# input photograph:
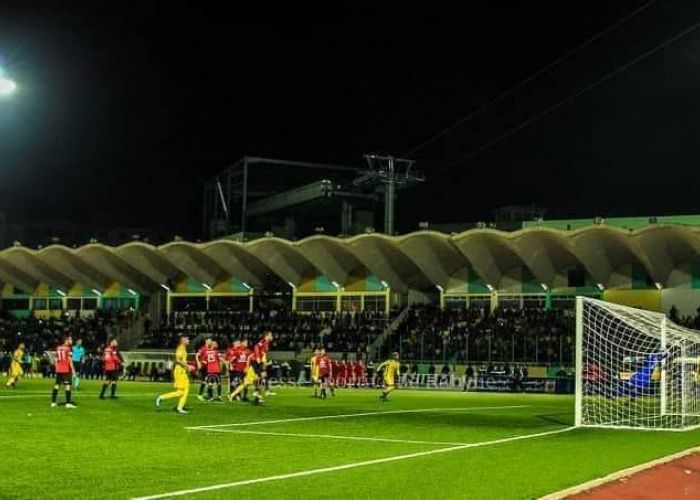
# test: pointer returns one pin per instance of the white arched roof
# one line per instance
(417, 260)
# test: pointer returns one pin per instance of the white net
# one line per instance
(635, 368)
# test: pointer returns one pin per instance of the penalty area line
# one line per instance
(365, 414)
(353, 465)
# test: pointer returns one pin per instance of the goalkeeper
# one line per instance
(641, 381)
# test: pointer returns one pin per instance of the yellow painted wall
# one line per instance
(642, 299)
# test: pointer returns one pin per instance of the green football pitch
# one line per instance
(418, 445)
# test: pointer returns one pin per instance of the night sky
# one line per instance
(125, 109)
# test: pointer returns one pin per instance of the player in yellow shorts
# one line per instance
(314, 371)
(250, 378)
(16, 366)
(181, 378)
(391, 370)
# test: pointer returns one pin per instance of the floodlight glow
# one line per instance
(384, 284)
(335, 284)
(208, 287)
(292, 285)
(489, 287)
(440, 288)
(658, 285)
(600, 287)
(7, 86)
(247, 286)
(165, 287)
(132, 292)
(96, 292)
(544, 286)
(61, 293)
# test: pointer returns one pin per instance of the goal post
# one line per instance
(635, 369)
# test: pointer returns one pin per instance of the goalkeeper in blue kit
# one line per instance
(641, 382)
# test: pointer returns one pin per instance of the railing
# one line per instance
(375, 349)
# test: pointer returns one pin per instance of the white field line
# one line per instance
(332, 436)
(630, 471)
(353, 465)
(351, 415)
(78, 395)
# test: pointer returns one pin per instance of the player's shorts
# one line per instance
(323, 378)
(236, 377)
(111, 375)
(250, 376)
(203, 374)
(64, 379)
(213, 378)
(181, 380)
(389, 382)
(78, 366)
(258, 367)
(16, 370)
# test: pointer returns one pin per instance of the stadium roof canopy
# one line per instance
(417, 260)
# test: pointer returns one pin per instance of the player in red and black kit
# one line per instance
(113, 367)
(350, 378)
(360, 377)
(237, 357)
(343, 375)
(201, 368)
(212, 363)
(63, 365)
(258, 361)
(325, 372)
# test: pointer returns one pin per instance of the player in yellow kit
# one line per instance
(249, 379)
(391, 370)
(16, 366)
(314, 371)
(181, 378)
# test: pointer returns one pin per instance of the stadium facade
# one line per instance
(651, 262)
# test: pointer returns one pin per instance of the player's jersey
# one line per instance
(18, 355)
(359, 369)
(239, 361)
(62, 360)
(642, 378)
(313, 363)
(212, 361)
(391, 368)
(200, 354)
(260, 350)
(111, 359)
(324, 365)
(181, 356)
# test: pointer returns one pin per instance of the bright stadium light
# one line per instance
(440, 288)
(600, 287)
(335, 284)
(659, 286)
(292, 285)
(490, 287)
(544, 286)
(7, 86)
(97, 292)
(247, 286)
(61, 292)
(384, 284)
(132, 292)
(207, 286)
(165, 287)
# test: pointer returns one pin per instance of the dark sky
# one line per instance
(127, 107)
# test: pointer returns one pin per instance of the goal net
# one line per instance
(635, 369)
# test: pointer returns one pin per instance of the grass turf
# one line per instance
(126, 448)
